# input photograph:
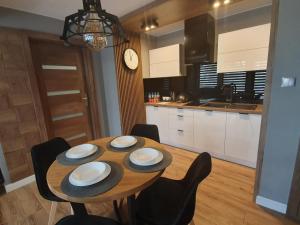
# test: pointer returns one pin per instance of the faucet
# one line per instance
(228, 90)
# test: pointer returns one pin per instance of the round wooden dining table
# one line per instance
(130, 184)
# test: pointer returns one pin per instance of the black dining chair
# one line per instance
(141, 130)
(86, 220)
(172, 202)
(146, 130)
(43, 155)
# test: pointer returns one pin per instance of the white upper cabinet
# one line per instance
(165, 62)
(244, 50)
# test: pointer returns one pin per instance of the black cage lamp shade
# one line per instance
(94, 25)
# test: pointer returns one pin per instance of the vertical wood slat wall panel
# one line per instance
(130, 86)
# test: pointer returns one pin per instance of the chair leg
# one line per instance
(131, 210)
(192, 222)
(71, 210)
(52, 213)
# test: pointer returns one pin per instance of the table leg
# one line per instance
(131, 210)
(79, 209)
(117, 211)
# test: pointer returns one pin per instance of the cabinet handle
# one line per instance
(179, 108)
(155, 106)
(244, 113)
(207, 110)
(180, 131)
(181, 116)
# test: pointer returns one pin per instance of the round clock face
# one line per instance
(131, 59)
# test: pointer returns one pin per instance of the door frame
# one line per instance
(89, 76)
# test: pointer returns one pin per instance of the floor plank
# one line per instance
(224, 198)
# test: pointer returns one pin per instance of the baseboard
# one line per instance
(19, 184)
(271, 204)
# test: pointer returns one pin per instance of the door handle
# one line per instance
(85, 99)
(181, 116)
(180, 131)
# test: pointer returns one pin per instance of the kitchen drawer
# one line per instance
(181, 122)
(182, 112)
(181, 138)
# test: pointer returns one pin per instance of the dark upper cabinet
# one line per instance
(199, 39)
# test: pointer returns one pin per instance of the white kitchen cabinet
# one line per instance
(181, 138)
(181, 127)
(244, 50)
(209, 134)
(159, 116)
(165, 62)
(226, 135)
(248, 60)
(242, 138)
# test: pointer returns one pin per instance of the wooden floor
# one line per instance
(225, 198)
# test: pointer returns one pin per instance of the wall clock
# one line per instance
(131, 59)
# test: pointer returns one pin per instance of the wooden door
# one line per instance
(61, 79)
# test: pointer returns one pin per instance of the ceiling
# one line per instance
(59, 9)
(233, 9)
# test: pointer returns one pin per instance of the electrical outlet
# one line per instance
(288, 82)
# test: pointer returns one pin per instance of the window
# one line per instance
(237, 78)
(208, 76)
(260, 82)
(245, 81)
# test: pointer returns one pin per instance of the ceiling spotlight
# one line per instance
(226, 2)
(149, 24)
(217, 4)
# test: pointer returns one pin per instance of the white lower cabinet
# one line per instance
(209, 133)
(242, 138)
(159, 116)
(181, 127)
(181, 138)
(226, 135)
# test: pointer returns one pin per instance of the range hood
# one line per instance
(199, 39)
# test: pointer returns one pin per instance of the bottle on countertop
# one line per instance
(149, 96)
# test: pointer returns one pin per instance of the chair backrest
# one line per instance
(146, 130)
(198, 171)
(43, 155)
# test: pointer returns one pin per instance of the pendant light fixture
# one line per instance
(94, 25)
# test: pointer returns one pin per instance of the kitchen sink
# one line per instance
(225, 105)
(242, 106)
(216, 105)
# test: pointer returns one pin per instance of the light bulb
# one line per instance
(226, 2)
(152, 26)
(147, 28)
(93, 33)
(217, 4)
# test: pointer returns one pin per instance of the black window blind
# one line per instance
(237, 78)
(208, 76)
(260, 82)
